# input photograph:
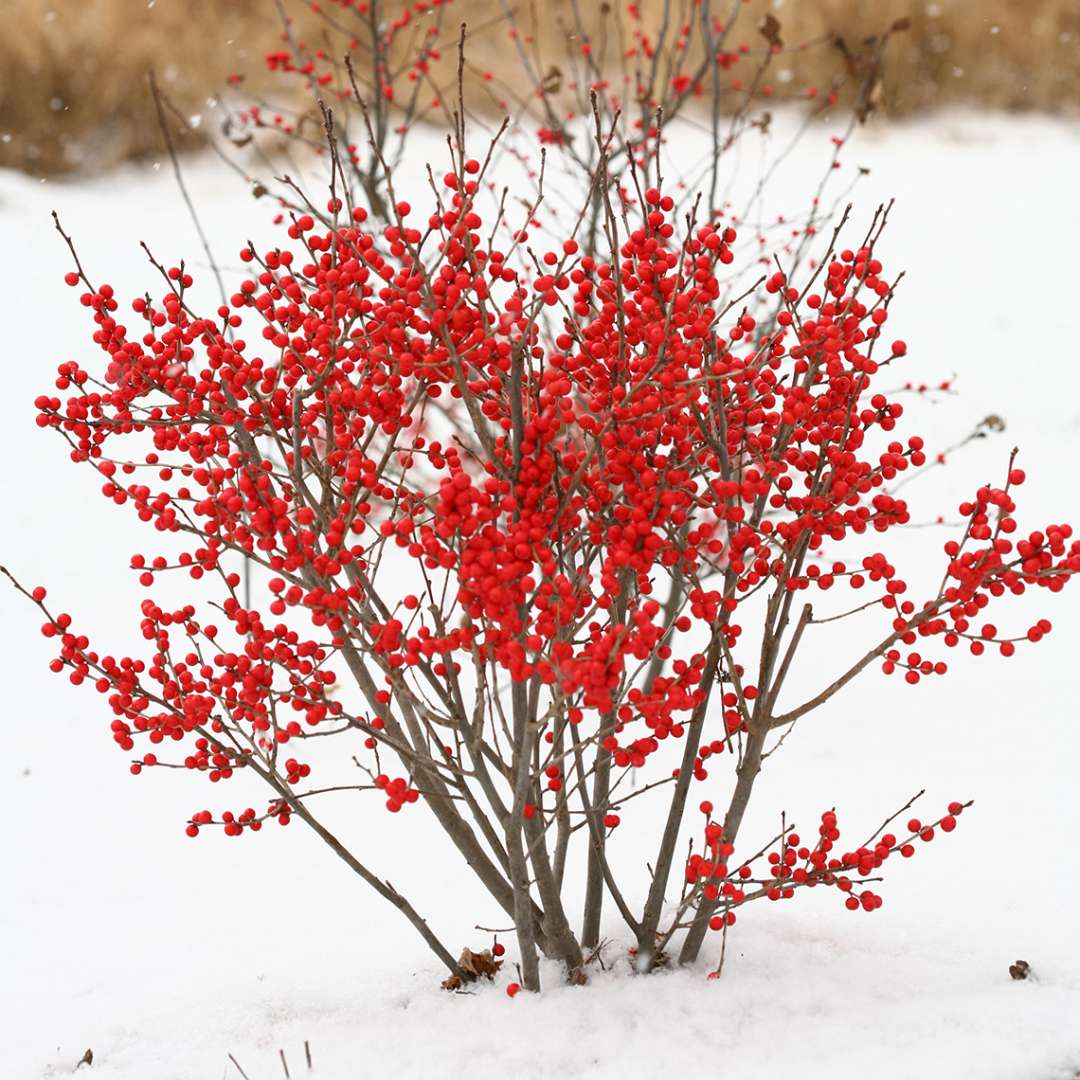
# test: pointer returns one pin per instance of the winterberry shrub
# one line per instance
(540, 513)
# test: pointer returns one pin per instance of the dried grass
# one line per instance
(73, 89)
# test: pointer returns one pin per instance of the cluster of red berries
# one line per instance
(398, 791)
(624, 403)
(793, 864)
(231, 824)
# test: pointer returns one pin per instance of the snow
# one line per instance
(165, 955)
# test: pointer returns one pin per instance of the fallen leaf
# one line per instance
(473, 965)
(477, 964)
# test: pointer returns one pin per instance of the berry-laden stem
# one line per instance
(650, 920)
(746, 774)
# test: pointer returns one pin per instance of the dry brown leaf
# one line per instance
(473, 965)
(769, 28)
(477, 964)
(552, 82)
(872, 96)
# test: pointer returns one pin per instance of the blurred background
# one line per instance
(74, 97)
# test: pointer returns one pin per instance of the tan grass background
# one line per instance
(73, 93)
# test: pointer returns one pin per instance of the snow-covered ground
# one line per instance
(165, 955)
